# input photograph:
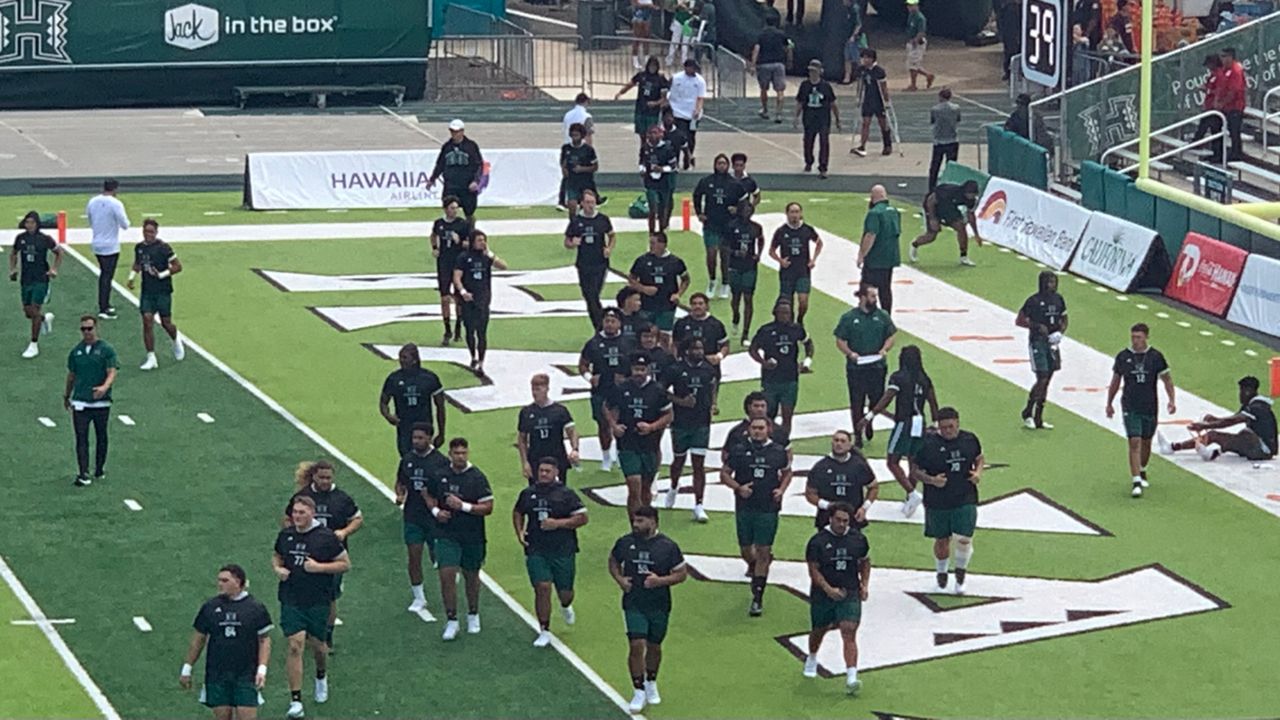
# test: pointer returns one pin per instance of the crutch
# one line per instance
(893, 127)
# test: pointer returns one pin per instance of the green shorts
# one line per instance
(415, 534)
(942, 523)
(651, 625)
(1045, 358)
(159, 303)
(1139, 426)
(756, 527)
(638, 463)
(742, 280)
(597, 409)
(455, 554)
(314, 619)
(694, 439)
(35, 293)
(337, 585)
(574, 193)
(229, 692)
(644, 121)
(784, 393)
(665, 320)
(794, 286)
(825, 612)
(901, 443)
(559, 570)
(710, 238)
(660, 197)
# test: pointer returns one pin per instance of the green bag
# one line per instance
(639, 208)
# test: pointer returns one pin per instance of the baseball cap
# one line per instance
(913, 2)
(815, 64)
(640, 359)
(457, 124)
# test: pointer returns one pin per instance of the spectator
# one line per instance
(795, 12)
(1112, 48)
(708, 40)
(1211, 123)
(917, 43)
(816, 104)
(1079, 57)
(1009, 23)
(1021, 122)
(1231, 93)
(687, 94)
(641, 30)
(579, 114)
(1121, 23)
(944, 118)
(681, 32)
(875, 102)
(771, 12)
(855, 40)
(1088, 15)
(107, 218)
(770, 57)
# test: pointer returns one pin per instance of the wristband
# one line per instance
(163, 274)
(866, 505)
(489, 254)
(467, 507)
(871, 415)
(186, 670)
(133, 275)
(262, 670)
(435, 512)
(824, 505)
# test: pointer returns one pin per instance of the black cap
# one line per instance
(641, 359)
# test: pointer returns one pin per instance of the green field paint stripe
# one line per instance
(569, 655)
(59, 645)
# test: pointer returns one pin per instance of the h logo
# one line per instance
(34, 30)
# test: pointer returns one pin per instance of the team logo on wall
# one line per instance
(34, 30)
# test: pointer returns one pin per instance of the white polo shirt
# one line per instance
(107, 218)
(684, 93)
(577, 114)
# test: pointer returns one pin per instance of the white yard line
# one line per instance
(141, 623)
(132, 504)
(1085, 371)
(204, 417)
(569, 655)
(59, 645)
(47, 422)
(45, 621)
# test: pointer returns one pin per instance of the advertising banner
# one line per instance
(1031, 222)
(393, 178)
(1112, 251)
(1257, 303)
(1205, 273)
(87, 34)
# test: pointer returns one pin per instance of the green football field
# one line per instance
(212, 493)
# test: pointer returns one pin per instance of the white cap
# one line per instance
(457, 124)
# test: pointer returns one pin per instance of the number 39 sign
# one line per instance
(1044, 25)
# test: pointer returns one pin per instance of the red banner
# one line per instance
(1206, 273)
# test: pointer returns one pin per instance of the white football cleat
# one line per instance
(473, 624)
(711, 288)
(450, 630)
(46, 325)
(606, 463)
(1028, 423)
(33, 349)
(295, 710)
(651, 695)
(811, 666)
(1137, 490)
(912, 503)
(669, 497)
(637, 701)
(322, 690)
(1045, 426)
(724, 291)
(179, 349)
(417, 606)
(699, 514)
(913, 254)
(150, 363)
(1163, 445)
(965, 261)
(959, 588)
(543, 639)
(853, 687)
(570, 617)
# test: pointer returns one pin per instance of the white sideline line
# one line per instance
(126, 420)
(141, 623)
(569, 655)
(132, 504)
(204, 417)
(47, 422)
(59, 645)
(46, 621)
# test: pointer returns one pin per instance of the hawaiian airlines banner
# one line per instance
(1257, 303)
(1206, 273)
(392, 178)
(1112, 251)
(1031, 222)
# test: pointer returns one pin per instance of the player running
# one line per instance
(950, 205)
(473, 280)
(92, 368)
(155, 260)
(413, 389)
(950, 465)
(639, 411)
(744, 239)
(776, 347)
(236, 628)
(659, 358)
(546, 518)
(449, 237)
(541, 429)
(632, 318)
(750, 187)
(419, 468)
(459, 501)
(701, 324)
(645, 564)
(658, 159)
(694, 384)
(1045, 317)
(32, 248)
(591, 233)
(839, 577)
(462, 166)
(844, 476)
(912, 387)
(790, 249)
(578, 164)
(1138, 366)
(336, 510)
(307, 556)
(714, 200)
(758, 473)
(651, 91)
(602, 360)
(661, 277)
(754, 405)
(864, 335)
(1257, 441)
